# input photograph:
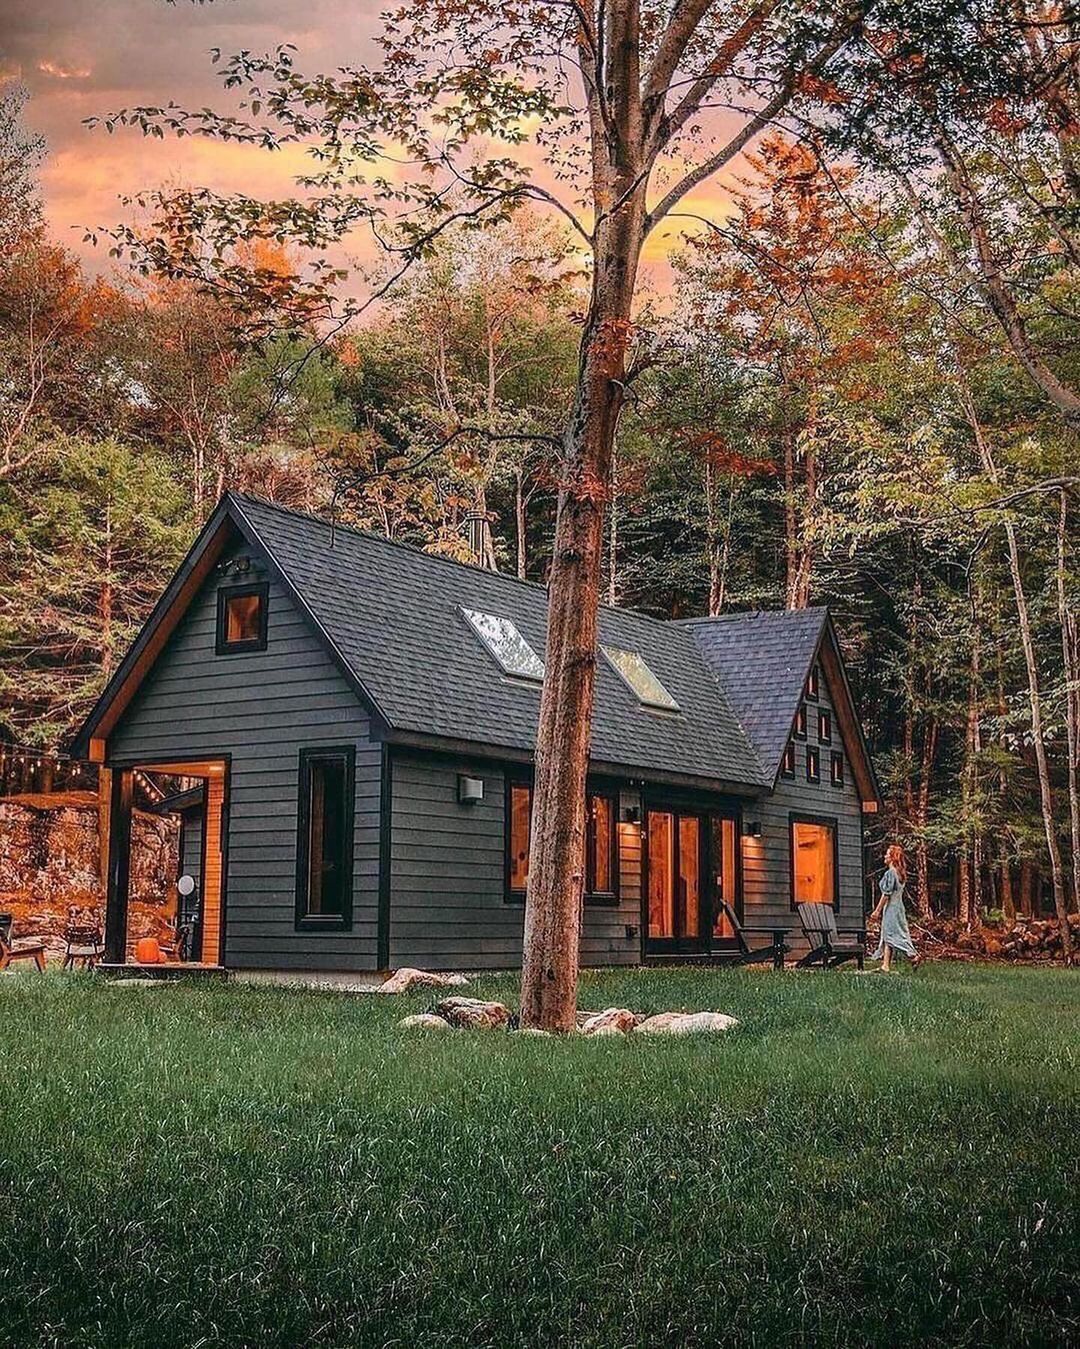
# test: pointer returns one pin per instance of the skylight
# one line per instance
(506, 644)
(630, 666)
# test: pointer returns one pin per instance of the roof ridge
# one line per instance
(742, 614)
(371, 536)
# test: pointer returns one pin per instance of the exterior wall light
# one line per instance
(470, 790)
(751, 829)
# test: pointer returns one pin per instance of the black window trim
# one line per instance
(598, 899)
(803, 716)
(813, 683)
(309, 922)
(594, 897)
(837, 762)
(813, 756)
(824, 718)
(830, 821)
(788, 756)
(222, 646)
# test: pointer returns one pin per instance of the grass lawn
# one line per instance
(868, 1159)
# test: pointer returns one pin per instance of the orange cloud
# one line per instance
(56, 71)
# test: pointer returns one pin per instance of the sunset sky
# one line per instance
(84, 58)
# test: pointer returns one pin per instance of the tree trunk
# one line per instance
(1027, 641)
(1070, 650)
(1008, 903)
(922, 851)
(557, 849)
(1027, 886)
(613, 531)
(971, 868)
(791, 522)
(105, 600)
(520, 520)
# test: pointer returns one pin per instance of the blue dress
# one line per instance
(894, 928)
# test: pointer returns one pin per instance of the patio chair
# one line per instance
(85, 944)
(10, 951)
(829, 946)
(746, 954)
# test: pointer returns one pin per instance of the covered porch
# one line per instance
(175, 924)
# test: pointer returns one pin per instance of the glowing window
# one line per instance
(241, 618)
(601, 844)
(813, 861)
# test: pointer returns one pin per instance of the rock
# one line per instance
(424, 1021)
(611, 1021)
(404, 979)
(473, 1013)
(686, 1023)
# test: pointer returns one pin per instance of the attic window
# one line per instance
(241, 618)
(506, 644)
(631, 668)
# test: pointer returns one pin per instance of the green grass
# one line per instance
(865, 1160)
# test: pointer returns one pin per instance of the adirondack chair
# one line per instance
(747, 955)
(25, 950)
(829, 946)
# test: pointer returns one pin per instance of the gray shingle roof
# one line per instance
(762, 659)
(393, 613)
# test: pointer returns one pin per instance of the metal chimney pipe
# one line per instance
(475, 526)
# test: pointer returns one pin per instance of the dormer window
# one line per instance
(241, 618)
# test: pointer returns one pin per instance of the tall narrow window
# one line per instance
(600, 849)
(661, 874)
(813, 861)
(241, 618)
(824, 726)
(520, 813)
(800, 722)
(724, 865)
(837, 769)
(813, 682)
(813, 764)
(324, 846)
(787, 764)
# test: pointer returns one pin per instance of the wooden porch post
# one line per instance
(116, 895)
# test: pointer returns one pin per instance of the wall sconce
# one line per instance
(470, 790)
(751, 829)
(631, 815)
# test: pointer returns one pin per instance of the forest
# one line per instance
(857, 386)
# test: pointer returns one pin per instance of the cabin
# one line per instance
(348, 724)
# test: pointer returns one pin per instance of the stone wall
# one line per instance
(49, 864)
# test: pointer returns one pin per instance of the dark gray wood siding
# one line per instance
(767, 860)
(261, 708)
(191, 832)
(447, 888)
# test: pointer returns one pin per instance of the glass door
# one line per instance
(679, 907)
(726, 891)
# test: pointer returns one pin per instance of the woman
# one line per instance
(891, 913)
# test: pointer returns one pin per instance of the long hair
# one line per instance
(894, 857)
